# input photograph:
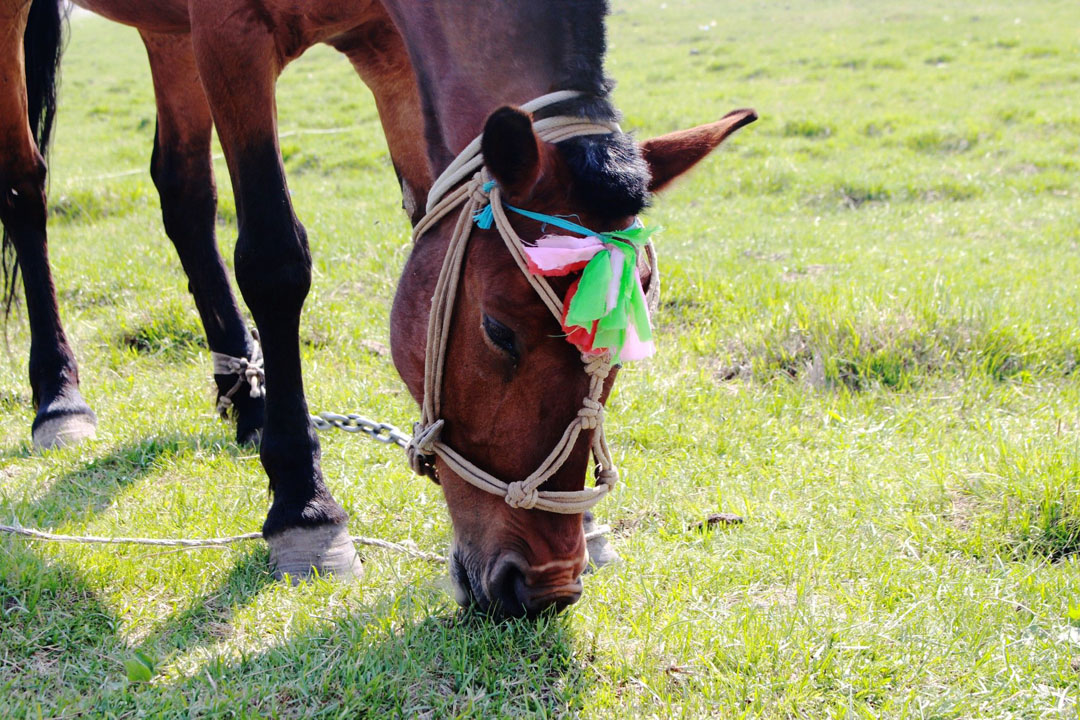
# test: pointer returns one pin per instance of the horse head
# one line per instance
(512, 385)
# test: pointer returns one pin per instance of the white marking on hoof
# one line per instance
(301, 552)
(64, 431)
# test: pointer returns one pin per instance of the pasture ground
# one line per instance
(869, 348)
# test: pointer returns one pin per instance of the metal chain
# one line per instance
(353, 423)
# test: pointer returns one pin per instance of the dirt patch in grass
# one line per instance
(961, 510)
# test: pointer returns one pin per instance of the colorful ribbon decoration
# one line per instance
(605, 309)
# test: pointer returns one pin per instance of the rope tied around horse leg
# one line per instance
(247, 369)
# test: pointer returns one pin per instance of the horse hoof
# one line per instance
(64, 431)
(300, 553)
(600, 551)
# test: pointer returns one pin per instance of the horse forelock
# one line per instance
(610, 177)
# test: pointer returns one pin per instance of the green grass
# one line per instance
(868, 347)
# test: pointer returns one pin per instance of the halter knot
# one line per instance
(480, 188)
(256, 378)
(519, 497)
(597, 366)
(480, 193)
(609, 477)
(591, 414)
(421, 448)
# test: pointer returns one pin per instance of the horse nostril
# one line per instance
(503, 590)
(511, 595)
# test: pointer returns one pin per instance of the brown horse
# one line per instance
(440, 71)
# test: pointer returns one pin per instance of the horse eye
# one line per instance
(500, 336)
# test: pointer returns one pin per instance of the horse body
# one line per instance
(159, 16)
(440, 71)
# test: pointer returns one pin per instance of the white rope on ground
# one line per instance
(221, 542)
(197, 543)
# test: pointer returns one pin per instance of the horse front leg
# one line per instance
(237, 59)
(184, 176)
(63, 417)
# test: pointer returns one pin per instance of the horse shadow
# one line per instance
(61, 644)
(56, 630)
(207, 619)
(51, 620)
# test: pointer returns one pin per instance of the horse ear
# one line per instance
(511, 151)
(671, 155)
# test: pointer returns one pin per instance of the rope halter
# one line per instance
(465, 184)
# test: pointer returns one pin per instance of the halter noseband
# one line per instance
(471, 196)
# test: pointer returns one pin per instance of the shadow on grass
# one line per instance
(395, 659)
(79, 495)
(207, 619)
(60, 650)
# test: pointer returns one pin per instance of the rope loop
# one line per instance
(518, 496)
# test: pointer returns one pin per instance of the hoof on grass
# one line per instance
(301, 553)
(64, 431)
(601, 552)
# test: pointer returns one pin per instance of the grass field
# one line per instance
(869, 348)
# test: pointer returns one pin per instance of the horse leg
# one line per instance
(238, 62)
(379, 56)
(182, 171)
(63, 417)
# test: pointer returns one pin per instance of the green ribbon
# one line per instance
(589, 304)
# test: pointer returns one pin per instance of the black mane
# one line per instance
(612, 178)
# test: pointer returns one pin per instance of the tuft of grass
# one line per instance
(169, 331)
(943, 143)
(806, 129)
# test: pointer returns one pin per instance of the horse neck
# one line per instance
(472, 58)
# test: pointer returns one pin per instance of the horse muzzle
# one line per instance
(514, 588)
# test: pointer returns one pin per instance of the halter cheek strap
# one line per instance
(470, 197)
